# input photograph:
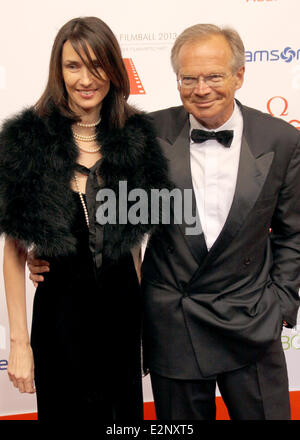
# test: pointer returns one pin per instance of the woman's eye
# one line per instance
(72, 66)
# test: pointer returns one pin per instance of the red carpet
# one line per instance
(222, 413)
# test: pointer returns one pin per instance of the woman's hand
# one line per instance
(21, 367)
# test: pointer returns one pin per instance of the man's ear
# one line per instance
(239, 76)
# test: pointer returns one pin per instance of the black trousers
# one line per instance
(256, 392)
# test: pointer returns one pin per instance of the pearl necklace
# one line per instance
(94, 124)
(86, 214)
(89, 150)
(79, 137)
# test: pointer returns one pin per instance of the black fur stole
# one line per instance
(37, 161)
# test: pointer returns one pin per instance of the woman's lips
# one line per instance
(87, 94)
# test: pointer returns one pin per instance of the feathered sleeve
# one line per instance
(30, 209)
(15, 166)
(134, 155)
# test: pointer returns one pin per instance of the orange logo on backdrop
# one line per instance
(283, 109)
(136, 86)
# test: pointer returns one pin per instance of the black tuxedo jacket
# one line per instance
(211, 312)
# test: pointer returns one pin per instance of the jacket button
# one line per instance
(247, 261)
(170, 249)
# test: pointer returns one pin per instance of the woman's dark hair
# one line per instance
(94, 32)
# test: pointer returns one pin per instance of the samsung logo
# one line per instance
(287, 55)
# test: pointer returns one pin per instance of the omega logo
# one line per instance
(278, 106)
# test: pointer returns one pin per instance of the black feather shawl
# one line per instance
(37, 161)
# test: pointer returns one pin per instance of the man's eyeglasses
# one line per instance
(213, 81)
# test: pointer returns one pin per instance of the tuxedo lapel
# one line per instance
(251, 177)
(180, 174)
(253, 169)
(254, 165)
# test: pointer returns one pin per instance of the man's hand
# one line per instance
(36, 267)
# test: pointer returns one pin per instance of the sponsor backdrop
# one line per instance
(146, 31)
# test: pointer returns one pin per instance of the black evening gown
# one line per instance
(85, 337)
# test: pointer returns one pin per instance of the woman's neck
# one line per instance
(89, 116)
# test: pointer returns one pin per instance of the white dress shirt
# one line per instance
(214, 173)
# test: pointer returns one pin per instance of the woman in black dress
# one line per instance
(83, 358)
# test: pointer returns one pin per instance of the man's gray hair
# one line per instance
(202, 31)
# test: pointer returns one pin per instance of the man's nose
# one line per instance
(202, 88)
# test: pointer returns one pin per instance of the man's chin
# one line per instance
(204, 116)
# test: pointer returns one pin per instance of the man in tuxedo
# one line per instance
(215, 302)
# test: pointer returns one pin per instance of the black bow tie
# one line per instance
(224, 137)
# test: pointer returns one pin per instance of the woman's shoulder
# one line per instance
(21, 128)
(24, 140)
(131, 144)
(21, 120)
(140, 120)
(140, 131)
(27, 131)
